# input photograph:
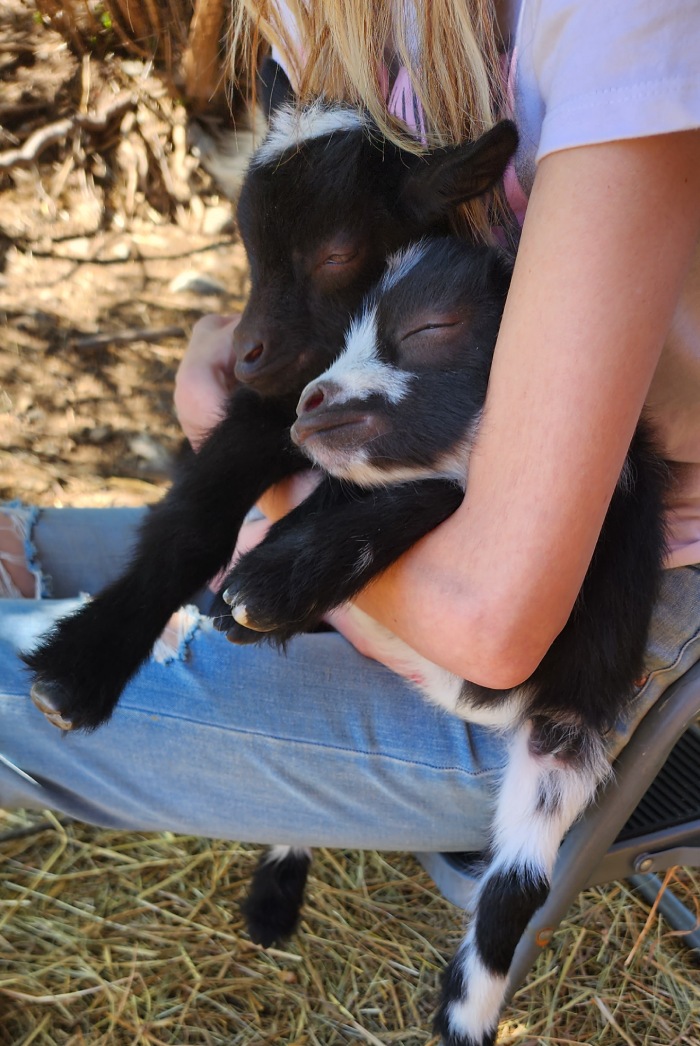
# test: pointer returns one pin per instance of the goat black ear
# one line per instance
(437, 182)
(274, 88)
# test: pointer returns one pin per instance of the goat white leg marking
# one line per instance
(473, 1016)
(540, 797)
(281, 853)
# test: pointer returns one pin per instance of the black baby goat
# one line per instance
(325, 201)
(396, 415)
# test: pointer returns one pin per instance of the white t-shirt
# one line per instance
(591, 71)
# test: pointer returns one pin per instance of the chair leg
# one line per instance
(674, 912)
(570, 878)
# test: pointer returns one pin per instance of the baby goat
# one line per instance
(326, 199)
(396, 415)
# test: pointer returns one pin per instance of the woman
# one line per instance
(323, 746)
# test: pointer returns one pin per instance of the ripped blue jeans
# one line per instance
(318, 746)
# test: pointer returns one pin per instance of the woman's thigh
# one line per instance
(673, 645)
(318, 746)
(83, 549)
(69, 551)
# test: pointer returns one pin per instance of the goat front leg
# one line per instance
(325, 551)
(552, 774)
(81, 667)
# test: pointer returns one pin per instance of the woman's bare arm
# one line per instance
(609, 233)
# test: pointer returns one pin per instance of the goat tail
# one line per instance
(552, 774)
(273, 905)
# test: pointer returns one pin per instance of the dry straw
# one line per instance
(111, 938)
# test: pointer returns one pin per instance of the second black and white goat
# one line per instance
(396, 415)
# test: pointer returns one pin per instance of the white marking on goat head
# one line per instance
(359, 372)
(291, 126)
(400, 264)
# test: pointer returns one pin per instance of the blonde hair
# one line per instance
(449, 49)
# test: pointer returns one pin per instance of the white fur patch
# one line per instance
(359, 372)
(439, 686)
(400, 264)
(527, 833)
(454, 464)
(290, 127)
(478, 1013)
(503, 714)
(226, 155)
(276, 854)
(364, 560)
(625, 483)
(367, 474)
(26, 630)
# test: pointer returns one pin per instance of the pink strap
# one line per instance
(517, 200)
(402, 102)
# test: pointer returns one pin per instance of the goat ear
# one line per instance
(437, 182)
(274, 88)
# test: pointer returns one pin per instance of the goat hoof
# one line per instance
(239, 613)
(241, 636)
(220, 614)
(40, 695)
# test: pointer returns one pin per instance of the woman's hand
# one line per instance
(205, 377)
(204, 381)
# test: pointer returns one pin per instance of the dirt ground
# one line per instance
(113, 242)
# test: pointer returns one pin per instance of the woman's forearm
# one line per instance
(596, 283)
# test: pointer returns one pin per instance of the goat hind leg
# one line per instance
(552, 774)
(276, 894)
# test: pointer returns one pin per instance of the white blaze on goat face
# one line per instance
(291, 127)
(359, 372)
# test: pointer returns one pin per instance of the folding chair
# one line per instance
(645, 820)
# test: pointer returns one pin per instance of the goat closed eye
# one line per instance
(340, 259)
(431, 327)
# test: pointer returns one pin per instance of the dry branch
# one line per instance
(37, 143)
(124, 337)
(202, 62)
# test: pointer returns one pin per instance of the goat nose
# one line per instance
(317, 395)
(254, 354)
(249, 349)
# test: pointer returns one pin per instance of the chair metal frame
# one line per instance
(592, 854)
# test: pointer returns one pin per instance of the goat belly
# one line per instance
(438, 685)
